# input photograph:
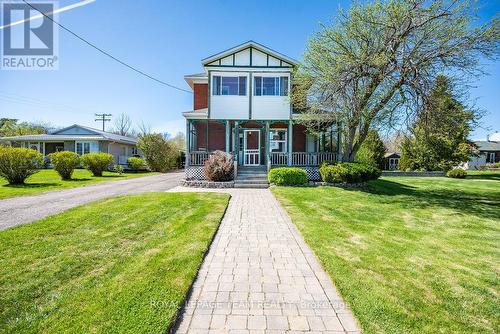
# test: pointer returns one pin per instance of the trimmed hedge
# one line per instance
(457, 173)
(290, 176)
(64, 163)
(17, 164)
(136, 163)
(348, 172)
(97, 162)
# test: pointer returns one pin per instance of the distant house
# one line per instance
(391, 160)
(489, 152)
(79, 139)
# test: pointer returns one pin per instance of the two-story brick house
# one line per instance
(242, 106)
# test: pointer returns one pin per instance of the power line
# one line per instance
(107, 53)
(103, 118)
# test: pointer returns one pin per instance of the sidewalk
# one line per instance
(260, 277)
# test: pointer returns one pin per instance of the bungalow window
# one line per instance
(134, 151)
(277, 140)
(271, 86)
(229, 85)
(84, 147)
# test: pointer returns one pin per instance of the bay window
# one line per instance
(271, 86)
(229, 85)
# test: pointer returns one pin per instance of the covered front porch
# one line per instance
(261, 142)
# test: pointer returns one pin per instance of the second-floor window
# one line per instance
(229, 85)
(271, 86)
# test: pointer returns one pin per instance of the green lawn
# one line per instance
(121, 265)
(48, 179)
(412, 255)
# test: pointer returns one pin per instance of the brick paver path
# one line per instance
(260, 277)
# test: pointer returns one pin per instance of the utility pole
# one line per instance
(103, 118)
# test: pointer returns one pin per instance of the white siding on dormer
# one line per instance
(271, 107)
(273, 61)
(229, 106)
(227, 61)
(259, 58)
(242, 58)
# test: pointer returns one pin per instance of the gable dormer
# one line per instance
(249, 55)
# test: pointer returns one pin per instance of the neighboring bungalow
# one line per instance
(79, 139)
(391, 160)
(242, 106)
(488, 153)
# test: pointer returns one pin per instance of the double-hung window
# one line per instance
(229, 85)
(84, 147)
(277, 140)
(271, 86)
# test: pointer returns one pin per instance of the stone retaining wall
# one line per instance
(207, 184)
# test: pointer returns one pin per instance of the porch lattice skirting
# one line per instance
(196, 173)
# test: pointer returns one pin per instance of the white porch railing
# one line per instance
(278, 158)
(252, 157)
(198, 158)
(312, 158)
(301, 158)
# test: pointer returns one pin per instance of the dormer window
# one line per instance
(229, 85)
(271, 86)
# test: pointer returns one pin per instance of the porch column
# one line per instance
(266, 144)
(290, 142)
(236, 140)
(188, 141)
(228, 128)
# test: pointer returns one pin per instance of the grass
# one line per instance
(48, 179)
(121, 265)
(412, 255)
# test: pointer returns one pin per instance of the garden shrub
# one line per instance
(219, 167)
(348, 172)
(65, 162)
(136, 163)
(160, 154)
(290, 176)
(118, 169)
(97, 162)
(457, 173)
(17, 164)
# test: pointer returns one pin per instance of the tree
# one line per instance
(11, 127)
(179, 141)
(122, 125)
(160, 154)
(377, 62)
(438, 139)
(372, 150)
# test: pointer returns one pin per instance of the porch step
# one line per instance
(252, 175)
(251, 185)
(251, 181)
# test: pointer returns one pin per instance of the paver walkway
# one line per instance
(259, 276)
(26, 209)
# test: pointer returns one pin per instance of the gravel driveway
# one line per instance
(26, 209)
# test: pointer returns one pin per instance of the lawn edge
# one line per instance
(80, 186)
(178, 317)
(294, 229)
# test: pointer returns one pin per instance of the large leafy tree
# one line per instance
(438, 139)
(377, 62)
(10, 127)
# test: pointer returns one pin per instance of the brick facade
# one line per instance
(200, 96)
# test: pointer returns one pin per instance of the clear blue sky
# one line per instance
(168, 39)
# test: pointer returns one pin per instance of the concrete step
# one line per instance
(260, 176)
(251, 185)
(256, 181)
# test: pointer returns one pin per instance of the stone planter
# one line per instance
(207, 184)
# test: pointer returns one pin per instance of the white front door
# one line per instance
(251, 147)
